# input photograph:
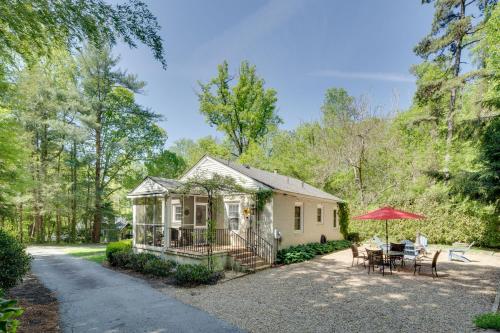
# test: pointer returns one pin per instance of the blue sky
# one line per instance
(300, 48)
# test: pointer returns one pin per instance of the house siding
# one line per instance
(283, 214)
(208, 167)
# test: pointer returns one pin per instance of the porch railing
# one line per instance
(195, 240)
(263, 248)
(247, 248)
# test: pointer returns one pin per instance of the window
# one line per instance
(297, 225)
(335, 218)
(148, 223)
(177, 211)
(319, 214)
(233, 216)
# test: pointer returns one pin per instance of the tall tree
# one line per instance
(245, 112)
(122, 131)
(31, 29)
(454, 30)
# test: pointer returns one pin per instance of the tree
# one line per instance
(31, 29)
(246, 112)
(165, 164)
(453, 31)
(46, 104)
(191, 151)
(122, 130)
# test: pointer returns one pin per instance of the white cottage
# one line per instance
(175, 224)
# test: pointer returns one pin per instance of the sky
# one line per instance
(300, 48)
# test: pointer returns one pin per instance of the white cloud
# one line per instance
(375, 76)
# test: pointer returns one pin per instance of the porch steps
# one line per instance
(245, 259)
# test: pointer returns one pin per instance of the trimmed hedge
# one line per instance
(120, 246)
(303, 252)
(14, 261)
(191, 275)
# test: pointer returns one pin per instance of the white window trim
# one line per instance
(301, 205)
(174, 220)
(234, 202)
(320, 206)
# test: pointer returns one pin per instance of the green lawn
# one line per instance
(92, 253)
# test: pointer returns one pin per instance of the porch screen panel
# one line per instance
(149, 227)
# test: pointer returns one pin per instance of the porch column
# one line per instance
(134, 221)
(167, 219)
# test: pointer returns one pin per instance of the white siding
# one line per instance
(147, 186)
(206, 167)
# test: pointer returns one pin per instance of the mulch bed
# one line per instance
(41, 309)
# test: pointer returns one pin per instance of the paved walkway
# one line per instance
(95, 299)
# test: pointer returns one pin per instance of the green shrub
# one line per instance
(303, 252)
(353, 237)
(190, 275)
(14, 261)
(121, 258)
(113, 247)
(159, 267)
(488, 320)
(8, 314)
(139, 260)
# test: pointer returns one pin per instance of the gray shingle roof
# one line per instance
(279, 182)
(169, 184)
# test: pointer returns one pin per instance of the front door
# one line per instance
(200, 217)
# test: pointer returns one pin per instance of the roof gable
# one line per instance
(154, 185)
(208, 166)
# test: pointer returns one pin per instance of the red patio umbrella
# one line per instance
(388, 213)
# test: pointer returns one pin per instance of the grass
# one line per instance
(91, 253)
(488, 320)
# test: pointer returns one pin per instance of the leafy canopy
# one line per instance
(245, 112)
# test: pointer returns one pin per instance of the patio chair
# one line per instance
(376, 258)
(410, 252)
(458, 251)
(397, 247)
(422, 242)
(378, 242)
(419, 263)
(356, 255)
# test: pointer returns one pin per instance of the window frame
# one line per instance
(321, 215)
(335, 215)
(227, 204)
(174, 213)
(301, 205)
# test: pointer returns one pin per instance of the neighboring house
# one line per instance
(175, 224)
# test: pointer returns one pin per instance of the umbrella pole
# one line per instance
(386, 236)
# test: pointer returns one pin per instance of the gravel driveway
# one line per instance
(328, 295)
(95, 299)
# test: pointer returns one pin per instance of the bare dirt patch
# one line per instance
(41, 309)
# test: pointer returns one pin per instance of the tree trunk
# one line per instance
(453, 97)
(20, 225)
(72, 233)
(96, 229)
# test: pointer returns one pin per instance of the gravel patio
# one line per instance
(328, 295)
